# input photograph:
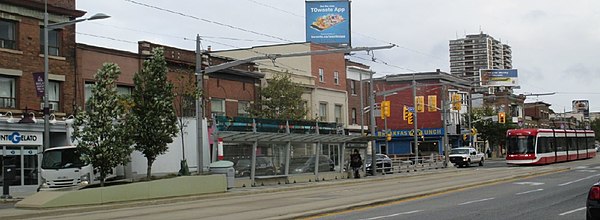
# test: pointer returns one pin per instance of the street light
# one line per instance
(48, 27)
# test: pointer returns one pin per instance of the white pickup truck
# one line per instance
(465, 156)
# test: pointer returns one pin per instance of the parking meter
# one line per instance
(9, 173)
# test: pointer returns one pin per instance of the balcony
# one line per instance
(8, 102)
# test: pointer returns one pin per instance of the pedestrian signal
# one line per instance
(501, 117)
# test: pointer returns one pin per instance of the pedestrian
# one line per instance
(355, 163)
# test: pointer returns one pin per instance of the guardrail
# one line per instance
(406, 164)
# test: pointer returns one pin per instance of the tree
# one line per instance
(280, 99)
(493, 132)
(186, 95)
(101, 131)
(154, 116)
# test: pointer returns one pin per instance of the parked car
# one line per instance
(382, 161)
(306, 164)
(592, 206)
(264, 167)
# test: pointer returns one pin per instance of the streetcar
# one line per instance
(545, 146)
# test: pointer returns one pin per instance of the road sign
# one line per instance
(411, 109)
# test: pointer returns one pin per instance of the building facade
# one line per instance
(357, 88)
(433, 91)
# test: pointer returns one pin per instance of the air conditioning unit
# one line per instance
(52, 106)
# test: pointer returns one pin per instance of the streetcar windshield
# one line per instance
(520, 145)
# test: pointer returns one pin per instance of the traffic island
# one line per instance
(156, 189)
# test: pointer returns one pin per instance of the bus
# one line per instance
(545, 146)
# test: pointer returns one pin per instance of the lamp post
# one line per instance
(48, 27)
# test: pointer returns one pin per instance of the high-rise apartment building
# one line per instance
(478, 51)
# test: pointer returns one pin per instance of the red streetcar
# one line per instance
(544, 146)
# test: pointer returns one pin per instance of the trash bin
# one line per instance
(224, 167)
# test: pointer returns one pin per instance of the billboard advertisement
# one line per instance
(505, 77)
(328, 22)
(581, 106)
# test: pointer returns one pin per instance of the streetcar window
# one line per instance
(521, 145)
(542, 145)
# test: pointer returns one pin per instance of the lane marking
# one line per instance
(529, 183)
(481, 200)
(574, 181)
(530, 191)
(392, 215)
(589, 171)
(581, 167)
(575, 210)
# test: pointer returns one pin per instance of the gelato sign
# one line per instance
(328, 22)
(20, 138)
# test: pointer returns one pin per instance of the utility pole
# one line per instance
(362, 108)
(415, 133)
(444, 94)
(199, 108)
(372, 124)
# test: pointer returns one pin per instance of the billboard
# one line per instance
(505, 77)
(328, 22)
(581, 106)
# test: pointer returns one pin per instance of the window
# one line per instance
(353, 87)
(53, 95)
(243, 108)
(353, 115)
(124, 90)
(7, 92)
(53, 42)
(336, 77)
(87, 94)
(323, 111)
(337, 111)
(321, 75)
(217, 107)
(7, 35)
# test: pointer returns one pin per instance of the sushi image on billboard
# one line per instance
(327, 21)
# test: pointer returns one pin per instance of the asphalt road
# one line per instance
(556, 196)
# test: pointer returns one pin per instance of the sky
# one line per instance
(555, 44)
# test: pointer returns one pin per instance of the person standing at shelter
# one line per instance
(355, 163)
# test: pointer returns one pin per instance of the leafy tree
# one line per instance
(154, 116)
(101, 129)
(186, 95)
(493, 132)
(280, 99)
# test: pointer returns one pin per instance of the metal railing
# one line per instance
(8, 102)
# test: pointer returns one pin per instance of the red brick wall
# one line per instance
(30, 61)
(329, 63)
(228, 89)
(354, 101)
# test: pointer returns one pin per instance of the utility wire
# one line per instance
(206, 20)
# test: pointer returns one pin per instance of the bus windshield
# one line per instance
(62, 158)
(520, 145)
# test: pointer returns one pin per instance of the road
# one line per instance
(556, 196)
(292, 201)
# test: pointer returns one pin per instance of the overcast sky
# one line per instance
(555, 44)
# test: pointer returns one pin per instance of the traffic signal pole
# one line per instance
(415, 134)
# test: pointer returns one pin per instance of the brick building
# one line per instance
(357, 93)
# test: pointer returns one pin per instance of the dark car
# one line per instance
(384, 163)
(307, 164)
(592, 205)
(264, 167)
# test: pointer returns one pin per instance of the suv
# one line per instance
(465, 156)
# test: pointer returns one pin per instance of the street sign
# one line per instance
(411, 109)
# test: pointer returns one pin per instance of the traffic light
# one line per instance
(405, 112)
(420, 103)
(385, 109)
(388, 137)
(473, 131)
(465, 137)
(456, 102)
(501, 117)
(409, 118)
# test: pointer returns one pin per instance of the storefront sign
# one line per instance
(409, 133)
(20, 138)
